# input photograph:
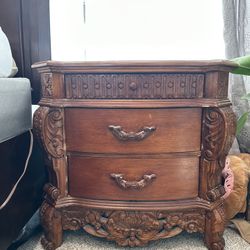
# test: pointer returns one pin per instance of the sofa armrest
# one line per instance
(15, 107)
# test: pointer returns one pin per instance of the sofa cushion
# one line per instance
(15, 107)
(14, 69)
(6, 60)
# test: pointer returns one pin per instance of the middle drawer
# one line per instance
(135, 131)
(108, 178)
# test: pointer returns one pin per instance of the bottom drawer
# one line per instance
(109, 178)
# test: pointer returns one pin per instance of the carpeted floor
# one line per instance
(80, 240)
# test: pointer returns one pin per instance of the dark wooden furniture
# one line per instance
(27, 26)
(21, 207)
(134, 150)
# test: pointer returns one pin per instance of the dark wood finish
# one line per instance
(90, 177)
(131, 228)
(134, 86)
(170, 128)
(21, 207)
(135, 167)
(204, 66)
(139, 104)
(27, 26)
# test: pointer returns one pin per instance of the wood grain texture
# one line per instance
(52, 85)
(49, 130)
(134, 86)
(176, 179)
(172, 134)
(174, 205)
(135, 149)
(135, 66)
(133, 228)
(216, 85)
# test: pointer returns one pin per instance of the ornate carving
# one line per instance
(215, 226)
(131, 136)
(38, 119)
(133, 228)
(230, 128)
(46, 80)
(218, 134)
(51, 193)
(146, 179)
(134, 86)
(141, 81)
(54, 133)
(215, 193)
(222, 85)
(51, 222)
(213, 131)
(48, 126)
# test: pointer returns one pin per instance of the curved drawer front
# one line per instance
(133, 179)
(133, 130)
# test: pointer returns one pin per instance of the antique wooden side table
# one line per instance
(134, 149)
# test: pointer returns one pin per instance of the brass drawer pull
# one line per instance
(146, 179)
(131, 136)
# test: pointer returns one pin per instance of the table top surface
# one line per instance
(136, 66)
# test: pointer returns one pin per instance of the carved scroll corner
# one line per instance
(49, 129)
(219, 128)
(231, 124)
(51, 193)
(38, 121)
(213, 133)
(215, 193)
(54, 133)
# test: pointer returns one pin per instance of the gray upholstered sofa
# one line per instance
(15, 95)
(15, 107)
(15, 122)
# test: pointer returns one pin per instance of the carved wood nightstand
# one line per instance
(134, 150)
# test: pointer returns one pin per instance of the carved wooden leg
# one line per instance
(215, 226)
(52, 225)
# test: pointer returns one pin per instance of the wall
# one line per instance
(26, 23)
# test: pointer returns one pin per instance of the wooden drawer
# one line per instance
(133, 130)
(134, 86)
(143, 179)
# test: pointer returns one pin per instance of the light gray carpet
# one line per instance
(80, 240)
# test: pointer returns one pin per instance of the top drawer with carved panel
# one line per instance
(134, 80)
(134, 86)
